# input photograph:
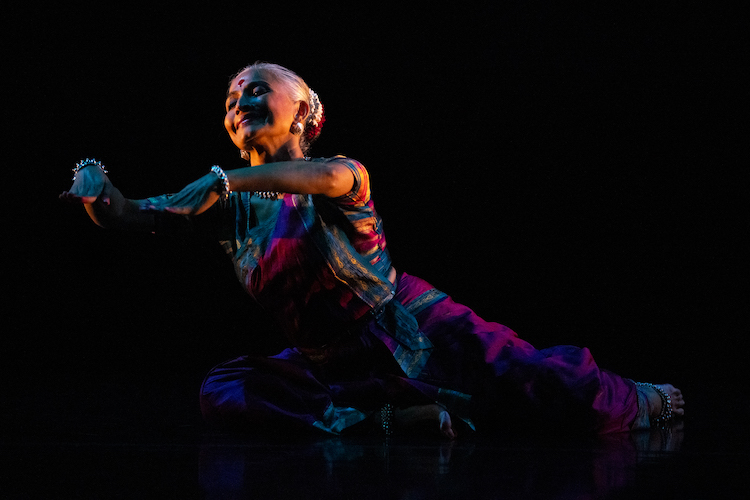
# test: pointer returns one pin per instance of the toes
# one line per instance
(674, 393)
(425, 418)
(655, 399)
(446, 426)
(669, 388)
(678, 402)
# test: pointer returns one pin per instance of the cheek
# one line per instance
(229, 122)
(279, 111)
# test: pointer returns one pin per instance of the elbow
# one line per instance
(335, 180)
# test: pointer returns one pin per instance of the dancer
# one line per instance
(372, 345)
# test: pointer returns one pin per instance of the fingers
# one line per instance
(180, 210)
(177, 205)
(69, 197)
(106, 193)
(152, 205)
(160, 207)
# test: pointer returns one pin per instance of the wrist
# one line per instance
(88, 162)
(222, 185)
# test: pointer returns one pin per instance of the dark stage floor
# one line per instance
(145, 451)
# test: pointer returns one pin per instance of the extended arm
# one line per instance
(107, 207)
(330, 179)
(105, 204)
(120, 213)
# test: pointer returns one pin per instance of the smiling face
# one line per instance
(260, 113)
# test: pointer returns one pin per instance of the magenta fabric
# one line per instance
(477, 369)
(319, 266)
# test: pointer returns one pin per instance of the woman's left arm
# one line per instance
(331, 179)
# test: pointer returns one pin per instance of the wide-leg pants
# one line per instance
(480, 371)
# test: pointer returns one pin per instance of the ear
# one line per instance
(302, 111)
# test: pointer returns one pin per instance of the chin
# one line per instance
(243, 142)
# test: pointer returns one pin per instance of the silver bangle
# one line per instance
(86, 163)
(224, 179)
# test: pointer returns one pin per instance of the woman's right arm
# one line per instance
(105, 204)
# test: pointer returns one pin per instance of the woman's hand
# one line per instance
(194, 199)
(89, 185)
(104, 203)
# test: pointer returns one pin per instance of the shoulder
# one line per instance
(354, 165)
(360, 192)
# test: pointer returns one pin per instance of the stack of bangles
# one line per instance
(665, 415)
(88, 162)
(224, 193)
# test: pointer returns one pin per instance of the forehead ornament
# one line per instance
(239, 84)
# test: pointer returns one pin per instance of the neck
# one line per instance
(288, 151)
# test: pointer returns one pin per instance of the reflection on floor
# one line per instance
(72, 439)
(190, 464)
(426, 469)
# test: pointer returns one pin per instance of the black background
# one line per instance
(570, 172)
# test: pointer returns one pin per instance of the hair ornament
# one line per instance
(316, 118)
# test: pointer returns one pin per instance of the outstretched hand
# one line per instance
(194, 199)
(90, 183)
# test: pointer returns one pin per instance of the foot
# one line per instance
(655, 401)
(432, 417)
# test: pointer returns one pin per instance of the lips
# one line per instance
(244, 120)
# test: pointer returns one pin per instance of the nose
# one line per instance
(243, 103)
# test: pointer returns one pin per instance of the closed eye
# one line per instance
(258, 91)
(254, 89)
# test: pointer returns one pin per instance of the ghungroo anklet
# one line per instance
(665, 415)
(386, 419)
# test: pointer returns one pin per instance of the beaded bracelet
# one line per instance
(665, 415)
(224, 193)
(268, 195)
(386, 419)
(86, 163)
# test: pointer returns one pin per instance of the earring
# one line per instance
(245, 155)
(297, 128)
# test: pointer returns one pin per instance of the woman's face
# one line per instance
(260, 112)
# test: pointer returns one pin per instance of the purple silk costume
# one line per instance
(319, 267)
